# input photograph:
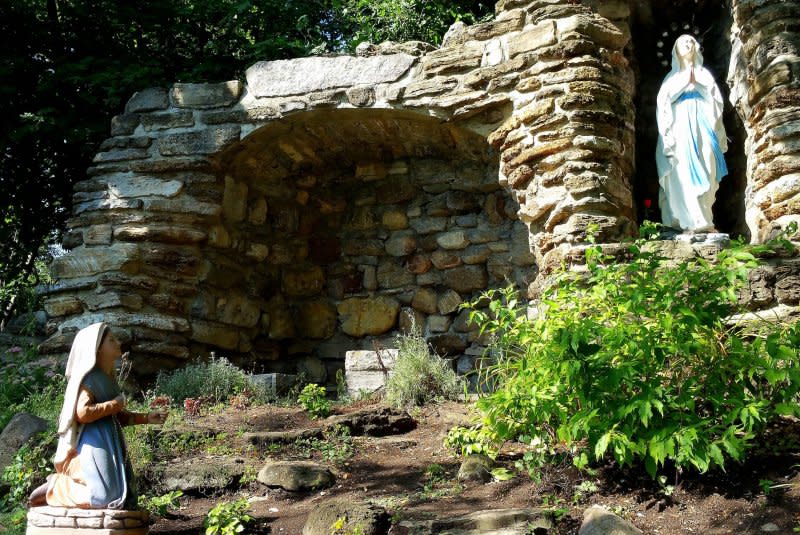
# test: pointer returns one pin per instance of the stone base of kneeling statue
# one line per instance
(48, 520)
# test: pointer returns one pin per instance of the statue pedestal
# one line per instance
(62, 521)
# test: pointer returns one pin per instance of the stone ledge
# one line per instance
(59, 520)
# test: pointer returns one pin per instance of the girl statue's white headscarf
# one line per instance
(82, 359)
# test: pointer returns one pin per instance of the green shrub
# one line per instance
(635, 360)
(420, 376)
(228, 518)
(215, 380)
(312, 399)
(30, 384)
(29, 468)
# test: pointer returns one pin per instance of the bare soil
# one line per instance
(391, 471)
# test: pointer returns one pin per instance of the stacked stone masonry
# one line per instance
(325, 204)
(59, 520)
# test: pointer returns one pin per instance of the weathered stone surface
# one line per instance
(363, 316)
(438, 323)
(159, 233)
(391, 275)
(361, 96)
(208, 141)
(298, 76)
(428, 225)
(124, 125)
(207, 473)
(419, 264)
(153, 122)
(411, 320)
(150, 99)
(466, 279)
(132, 186)
(541, 35)
(445, 260)
(295, 476)
(58, 520)
(600, 521)
(303, 283)
(394, 220)
(91, 261)
(63, 306)
(316, 319)
(425, 300)
(274, 384)
(19, 430)
(490, 522)
(402, 245)
(448, 302)
(448, 344)
(374, 422)
(359, 517)
(215, 334)
(206, 95)
(455, 239)
(367, 371)
(476, 467)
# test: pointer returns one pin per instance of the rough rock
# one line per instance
(298, 76)
(150, 99)
(207, 473)
(361, 316)
(375, 422)
(295, 476)
(359, 517)
(51, 520)
(476, 467)
(367, 371)
(274, 384)
(490, 522)
(600, 521)
(19, 430)
(204, 96)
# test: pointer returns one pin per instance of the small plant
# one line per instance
(583, 490)
(228, 518)
(766, 486)
(161, 505)
(468, 440)
(420, 376)
(312, 399)
(28, 469)
(341, 386)
(192, 407)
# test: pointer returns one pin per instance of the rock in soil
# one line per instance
(600, 521)
(491, 522)
(296, 476)
(375, 422)
(17, 433)
(476, 467)
(207, 473)
(354, 518)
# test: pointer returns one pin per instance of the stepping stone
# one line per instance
(263, 438)
(202, 473)
(358, 518)
(476, 467)
(490, 522)
(62, 521)
(296, 476)
(374, 422)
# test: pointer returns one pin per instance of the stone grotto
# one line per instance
(324, 204)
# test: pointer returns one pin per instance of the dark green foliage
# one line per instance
(636, 361)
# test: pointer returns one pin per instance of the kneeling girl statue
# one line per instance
(92, 470)
(691, 140)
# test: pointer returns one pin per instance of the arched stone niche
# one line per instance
(214, 212)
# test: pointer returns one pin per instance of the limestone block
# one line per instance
(476, 254)
(205, 96)
(425, 300)
(438, 323)
(238, 309)
(428, 225)
(150, 99)
(430, 86)
(83, 262)
(120, 155)
(419, 264)
(216, 334)
(362, 316)
(257, 214)
(153, 122)
(466, 279)
(599, 30)
(316, 319)
(304, 75)
(303, 283)
(361, 96)
(366, 371)
(63, 306)
(107, 204)
(131, 186)
(295, 476)
(159, 233)
(112, 300)
(541, 35)
(453, 59)
(370, 278)
(208, 141)
(600, 521)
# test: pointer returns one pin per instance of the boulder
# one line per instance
(366, 371)
(600, 521)
(374, 422)
(361, 518)
(490, 522)
(362, 316)
(21, 429)
(296, 476)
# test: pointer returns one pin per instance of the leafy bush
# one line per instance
(161, 505)
(29, 468)
(635, 360)
(312, 399)
(228, 518)
(216, 380)
(420, 376)
(30, 384)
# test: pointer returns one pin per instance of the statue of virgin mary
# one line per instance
(691, 140)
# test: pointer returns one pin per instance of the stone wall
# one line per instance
(321, 204)
(765, 88)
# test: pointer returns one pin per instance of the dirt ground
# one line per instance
(395, 472)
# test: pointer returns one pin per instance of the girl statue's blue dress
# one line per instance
(691, 141)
